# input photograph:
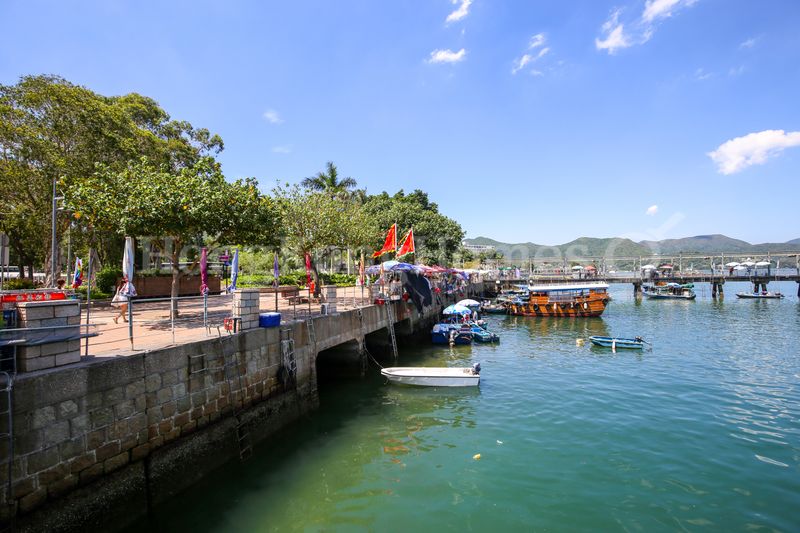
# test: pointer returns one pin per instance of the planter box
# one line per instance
(161, 286)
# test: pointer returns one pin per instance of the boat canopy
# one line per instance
(567, 287)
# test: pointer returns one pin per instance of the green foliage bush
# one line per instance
(97, 294)
(106, 279)
(19, 284)
(297, 278)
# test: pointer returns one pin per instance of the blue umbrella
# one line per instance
(234, 271)
(456, 309)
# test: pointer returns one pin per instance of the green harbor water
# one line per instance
(699, 433)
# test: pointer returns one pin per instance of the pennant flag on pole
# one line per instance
(77, 280)
(361, 270)
(390, 244)
(275, 271)
(204, 271)
(408, 244)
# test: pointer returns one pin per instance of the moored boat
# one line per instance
(481, 334)
(494, 308)
(434, 376)
(760, 295)
(636, 343)
(446, 333)
(669, 291)
(563, 300)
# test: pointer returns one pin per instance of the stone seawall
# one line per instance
(100, 441)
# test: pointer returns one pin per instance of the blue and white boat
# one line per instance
(481, 334)
(451, 334)
(637, 343)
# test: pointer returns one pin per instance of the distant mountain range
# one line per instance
(620, 247)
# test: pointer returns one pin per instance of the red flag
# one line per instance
(390, 244)
(361, 269)
(408, 244)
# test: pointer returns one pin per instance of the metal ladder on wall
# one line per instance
(233, 376)
(287, 354)
(390, 327)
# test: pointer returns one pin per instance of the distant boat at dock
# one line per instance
(669, 291)
(760, 295)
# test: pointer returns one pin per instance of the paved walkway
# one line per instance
(153, 328)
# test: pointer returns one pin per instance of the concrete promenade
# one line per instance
(153, 329)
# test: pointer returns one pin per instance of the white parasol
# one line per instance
(127, 268)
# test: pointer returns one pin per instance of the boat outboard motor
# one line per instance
(476, 368)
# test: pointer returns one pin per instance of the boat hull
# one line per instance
(670, 296)
(440, 334)
(562, 300)
(776, 296)
(432, 377)
(612, 342)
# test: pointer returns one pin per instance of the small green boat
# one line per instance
(636, 343)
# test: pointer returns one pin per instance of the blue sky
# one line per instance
(525, 120)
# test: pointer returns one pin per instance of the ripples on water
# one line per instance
(700, 432)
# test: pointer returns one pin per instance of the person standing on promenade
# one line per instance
(120, 300)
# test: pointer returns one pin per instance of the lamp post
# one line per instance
(53, 243)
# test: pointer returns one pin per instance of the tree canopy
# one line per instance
(51, 129)
(328, 181)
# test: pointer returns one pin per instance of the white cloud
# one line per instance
(736, 71)
(656, 9)
(652, 210)
(615, 37)
(701, 75)
(752, 149)
(749, 43)
(461, 12)
(537, 41)
(447, 56)
(639, 29)
(284, 149)
(521, 62)
(272, 116)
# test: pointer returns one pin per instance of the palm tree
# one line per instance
(329, 181)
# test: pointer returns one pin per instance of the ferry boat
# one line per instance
(669, 291)
(563, 299)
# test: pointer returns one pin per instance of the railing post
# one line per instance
(205, 309)
(130, 320)
(172, 316)
(88, 299)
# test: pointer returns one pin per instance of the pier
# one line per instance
(717, 281)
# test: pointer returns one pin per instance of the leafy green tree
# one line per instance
(53, 130)
(146, 200)
(436, 236)
(312, 221)
(328, 181)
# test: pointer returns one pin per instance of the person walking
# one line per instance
(120, 301)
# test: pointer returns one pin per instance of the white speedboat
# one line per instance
(760, 295)
(434, 376)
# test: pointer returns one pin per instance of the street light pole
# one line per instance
(53, 241)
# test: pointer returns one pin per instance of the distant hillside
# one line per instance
(700, 243)
(588, 246)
